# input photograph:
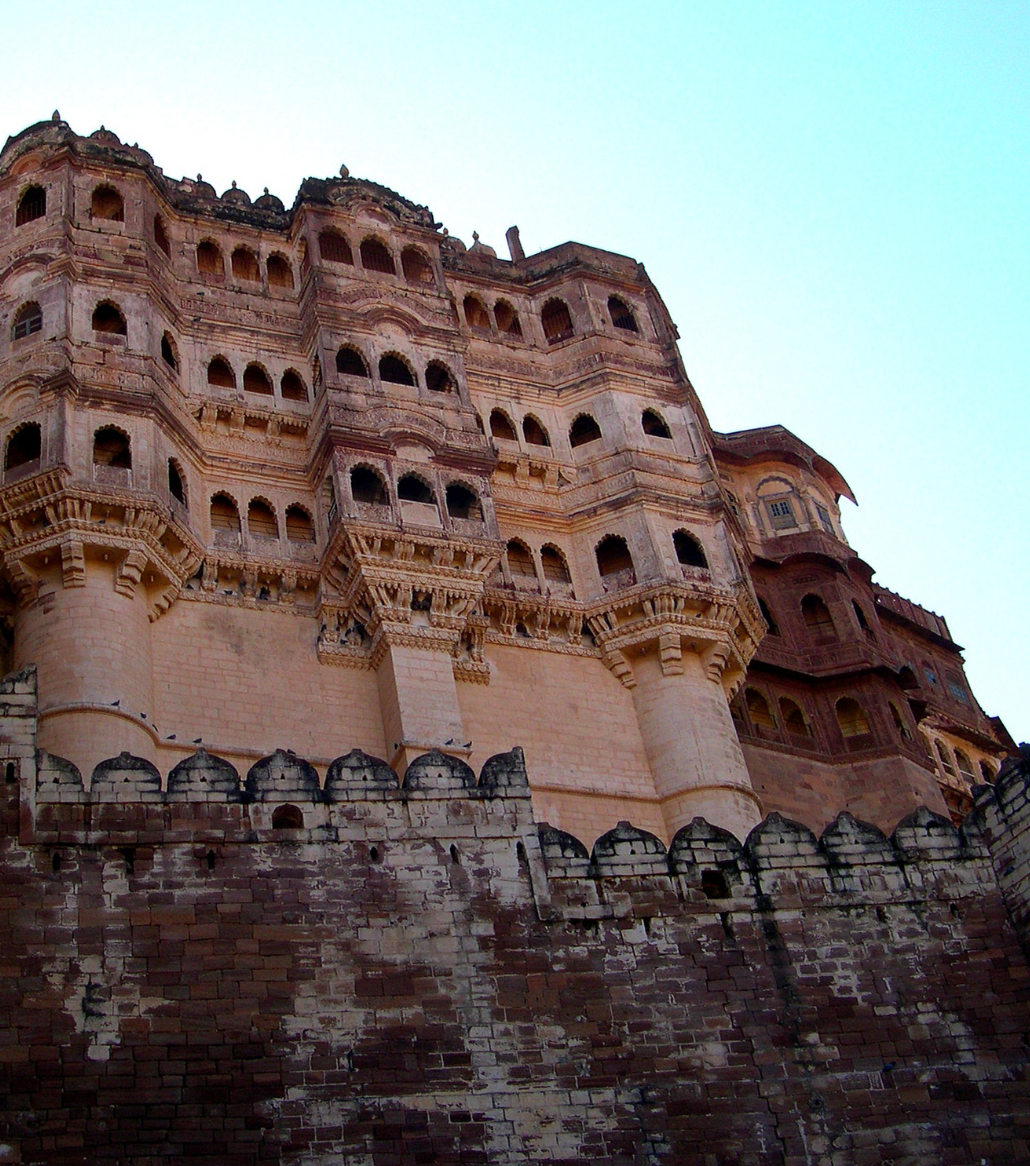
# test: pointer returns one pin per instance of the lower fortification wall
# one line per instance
(208, 968)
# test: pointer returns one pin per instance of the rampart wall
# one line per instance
(422, 973)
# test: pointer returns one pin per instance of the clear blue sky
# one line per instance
(832, 198)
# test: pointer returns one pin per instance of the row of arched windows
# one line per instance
(583, 430)
(817, 619)
(368, 488)
(243, 263)
(334, 247)
(851, 716)
(522, 569)
(555, 318)
(262, 521)
(957, 763)
(395, 370)
(256, 379)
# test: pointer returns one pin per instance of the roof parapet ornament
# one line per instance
(56, 115)
(344, 172)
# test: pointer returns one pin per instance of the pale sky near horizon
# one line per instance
(832, 199)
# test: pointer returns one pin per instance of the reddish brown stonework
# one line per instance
(422, 974)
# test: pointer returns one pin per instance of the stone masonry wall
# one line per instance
(423, 974)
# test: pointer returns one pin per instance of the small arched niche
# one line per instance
(256, 380)
(584, 430)
(557, 321)
(416, 267)
(209, 259)
(220, 374)
(520, 561)
(168, 352)
(161, 236)
(463, 503)
(508, 323)
(501, 426)
(24, 449)
(176, 481)
(299, 525)
(107, 205)
(395, 371)
(375, 256)
(350, 363)
(261, 521)
(653, 425)
(533, 432)
(412, 488)
(108, 319)
(334, 248)
(28, 320)
(817, 618)
(851, 718)
(225, 520)
(555, 567)
(689, 552)
(31, 206)
(758, 710)
(287, 818)
(793, 718)
(621, 315)
(615, 563)
(292, 387)
(280, 273)
(770, 622)
(367, 487)
(111, 447)
(439, 378)
(476, 315)
(245, 265)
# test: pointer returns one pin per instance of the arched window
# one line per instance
(111, 448)
(261, 521)
(416, 267)
(653, 425)
(280, 273)
(622, 316)
(899, 722)
(350, 363)
(615, 563)
(291, 387)
(176, 484)
(108, 319)
(24, 447)
(534, 432)
(584, 430)
(209, 259)
(863, 623)
(907, 678)
(287, 818)
(476, 315)
(394, 371)
(31, 205)
(245, 265)
(780, 510)
(520, 560)
(107, 204)
(439, 378)
(367, 487)
(688, 550)
(987, 772)
(299, 527)
(944, 753)
(161, 235)
(758, 710)
(817, 618)
(220, 374)
(767, 615)
(463, 503)
(501, 426)
(965, 766)
(793, 718)
(851, 718)
(556, 569)
(376, 257)
(316, 375)
(256, 380)
(29, 319)
(168, 352)
(507, 319)
(411, 488)
(334, 248)
(557, 321)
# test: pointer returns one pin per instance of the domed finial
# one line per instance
(200, 177)
(103, 128)
(344, 172)
(475, 236)
(445, 232)
(56, 115)
(266, 190)
(234, 184)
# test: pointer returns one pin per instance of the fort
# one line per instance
(307, 518)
